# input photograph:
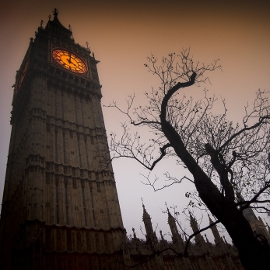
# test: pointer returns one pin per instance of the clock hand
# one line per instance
(72, 62)
(69, 60)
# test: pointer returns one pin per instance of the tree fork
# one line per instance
(252, 253)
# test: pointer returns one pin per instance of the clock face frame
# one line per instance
(69, 61)
(23, 72)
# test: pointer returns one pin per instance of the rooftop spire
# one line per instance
(55, 12)
(175, 234)
(56, 26)
(218, 238)
(195, 227)
(193, 223)
(150, 234)
(146, 216)
(134, 233)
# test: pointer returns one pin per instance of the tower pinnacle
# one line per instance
(175, 234)
(218, 238)
(55, 12)
(195, 227)
(150, 234)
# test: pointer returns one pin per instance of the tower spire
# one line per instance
(55, 12)
(218, 239)
(150, 234)
(176, 237)
(195, 227)
(55, 26)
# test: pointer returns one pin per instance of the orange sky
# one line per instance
(122, 35)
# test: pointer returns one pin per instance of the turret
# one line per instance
(150, 234)
(218, 239)
(176, 237)
(195, 227)
(255, 222)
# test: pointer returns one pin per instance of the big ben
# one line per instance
(60, 207)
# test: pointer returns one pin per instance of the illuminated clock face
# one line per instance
(69, 61)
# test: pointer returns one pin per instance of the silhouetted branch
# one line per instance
(194, 234)
(221, 157)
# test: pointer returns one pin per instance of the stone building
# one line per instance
(152, 253)
(60, 208)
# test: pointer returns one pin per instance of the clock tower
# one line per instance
(60, 207)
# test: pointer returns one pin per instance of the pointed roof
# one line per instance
(145, 214)
(171, 220)
(268, 228)
(193, 222)
(134, 233)
(170, 217)
(161, 235)
(210, 220)
(56, 25)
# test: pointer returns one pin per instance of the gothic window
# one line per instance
(97, 241)
(88, 241)
(106, 242)
(48, 238)
(67, 217)
(47, 178)
(56, 180)
(59, 239)
(69, 240)
(79, 241)
(98, 187)
(41, 212)
(82, 183)
(57, 214)
(74, 183)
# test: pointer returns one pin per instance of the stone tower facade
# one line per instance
(60, 206)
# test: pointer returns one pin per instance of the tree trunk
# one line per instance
(254, 254)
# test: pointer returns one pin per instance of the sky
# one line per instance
(122, 34)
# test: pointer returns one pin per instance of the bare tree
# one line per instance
(224, 160)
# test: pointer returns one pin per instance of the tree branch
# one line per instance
(194, 234)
